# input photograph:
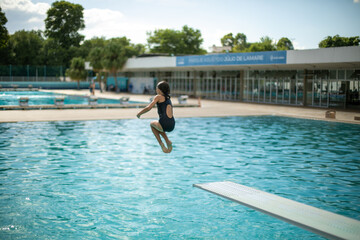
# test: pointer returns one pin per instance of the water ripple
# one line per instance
(110, 180)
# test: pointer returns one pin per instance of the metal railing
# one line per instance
(30, 79)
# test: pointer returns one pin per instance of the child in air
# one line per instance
(166, 121)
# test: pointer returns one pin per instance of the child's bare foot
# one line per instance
(169, 146)
(165, 150)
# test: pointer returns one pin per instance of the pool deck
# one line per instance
(209, 108)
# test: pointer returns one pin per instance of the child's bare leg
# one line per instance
(155, 128)
(168, 142)
(157, 135)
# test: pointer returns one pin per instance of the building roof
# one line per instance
(323, 58)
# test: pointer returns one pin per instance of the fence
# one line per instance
(32, 73)
(11, 73)
(45, 85)
(31, 79)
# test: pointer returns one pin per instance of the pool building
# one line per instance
(326, 77)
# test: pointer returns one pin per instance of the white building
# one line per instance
(327, 77)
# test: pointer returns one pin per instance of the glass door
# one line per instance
(336, 99)
(273, 90)
(300, 91)
(267, 83)
(286, 91)
(280, 90)
(324, 96)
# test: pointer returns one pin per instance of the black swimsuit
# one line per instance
(167, 124)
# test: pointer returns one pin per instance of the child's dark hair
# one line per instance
(165, 88)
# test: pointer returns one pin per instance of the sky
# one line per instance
(304, 22)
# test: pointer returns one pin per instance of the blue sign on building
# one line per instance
(275, 57)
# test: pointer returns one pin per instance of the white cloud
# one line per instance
(99, 17)
(213, 37)
(35, 20)
(24, 14)
(169, 3)
(110, 23)
(25, 6)
(297, 45)
(356, 1)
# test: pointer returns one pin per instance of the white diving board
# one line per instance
(324, 223)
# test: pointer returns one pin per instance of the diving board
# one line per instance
(324, 223)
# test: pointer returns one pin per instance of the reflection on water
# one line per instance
(109, 179)
(48, 98)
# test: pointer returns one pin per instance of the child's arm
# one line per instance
(149, 107)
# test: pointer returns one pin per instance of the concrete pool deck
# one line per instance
(209, 108)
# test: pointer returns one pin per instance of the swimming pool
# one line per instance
(110, 180)
(48, 98)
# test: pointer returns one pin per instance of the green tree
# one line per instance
(265, 44)
(96, 61)
(26, 47)
(228, 40)
(53, 53)
(237, 43)
(77, 70)
(284, 44)
(337, 41)
(4, 34)
(116, 53)
(191, 40)
(186, 41)
(96, 58)
(139, 49)
(240, 43)
(164, 41)
(86, 47)
(327, 42)
(63, 21)
(4, 38)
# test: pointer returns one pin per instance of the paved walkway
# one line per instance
(208, 109)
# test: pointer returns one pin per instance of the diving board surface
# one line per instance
(324, 223)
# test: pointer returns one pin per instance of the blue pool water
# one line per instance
(48, 98)
(110, 180)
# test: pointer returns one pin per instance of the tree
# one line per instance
(237, 43)
(240, 41)
(4, 38)
(265, 44)
(96, 60)
(139, 49)
(4, 34)
(337, 41)
(228, 40)
(26, 47)
(54, 54)
(240, 44)
(63, 21)
(111, 55)
(77, 70)
(116, 53)
(186, 41)
(191, 40)
(86, 47)
(164, 41)
(284, 44)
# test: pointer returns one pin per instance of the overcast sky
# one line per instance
(304, 22)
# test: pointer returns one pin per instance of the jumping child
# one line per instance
(166, 121)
